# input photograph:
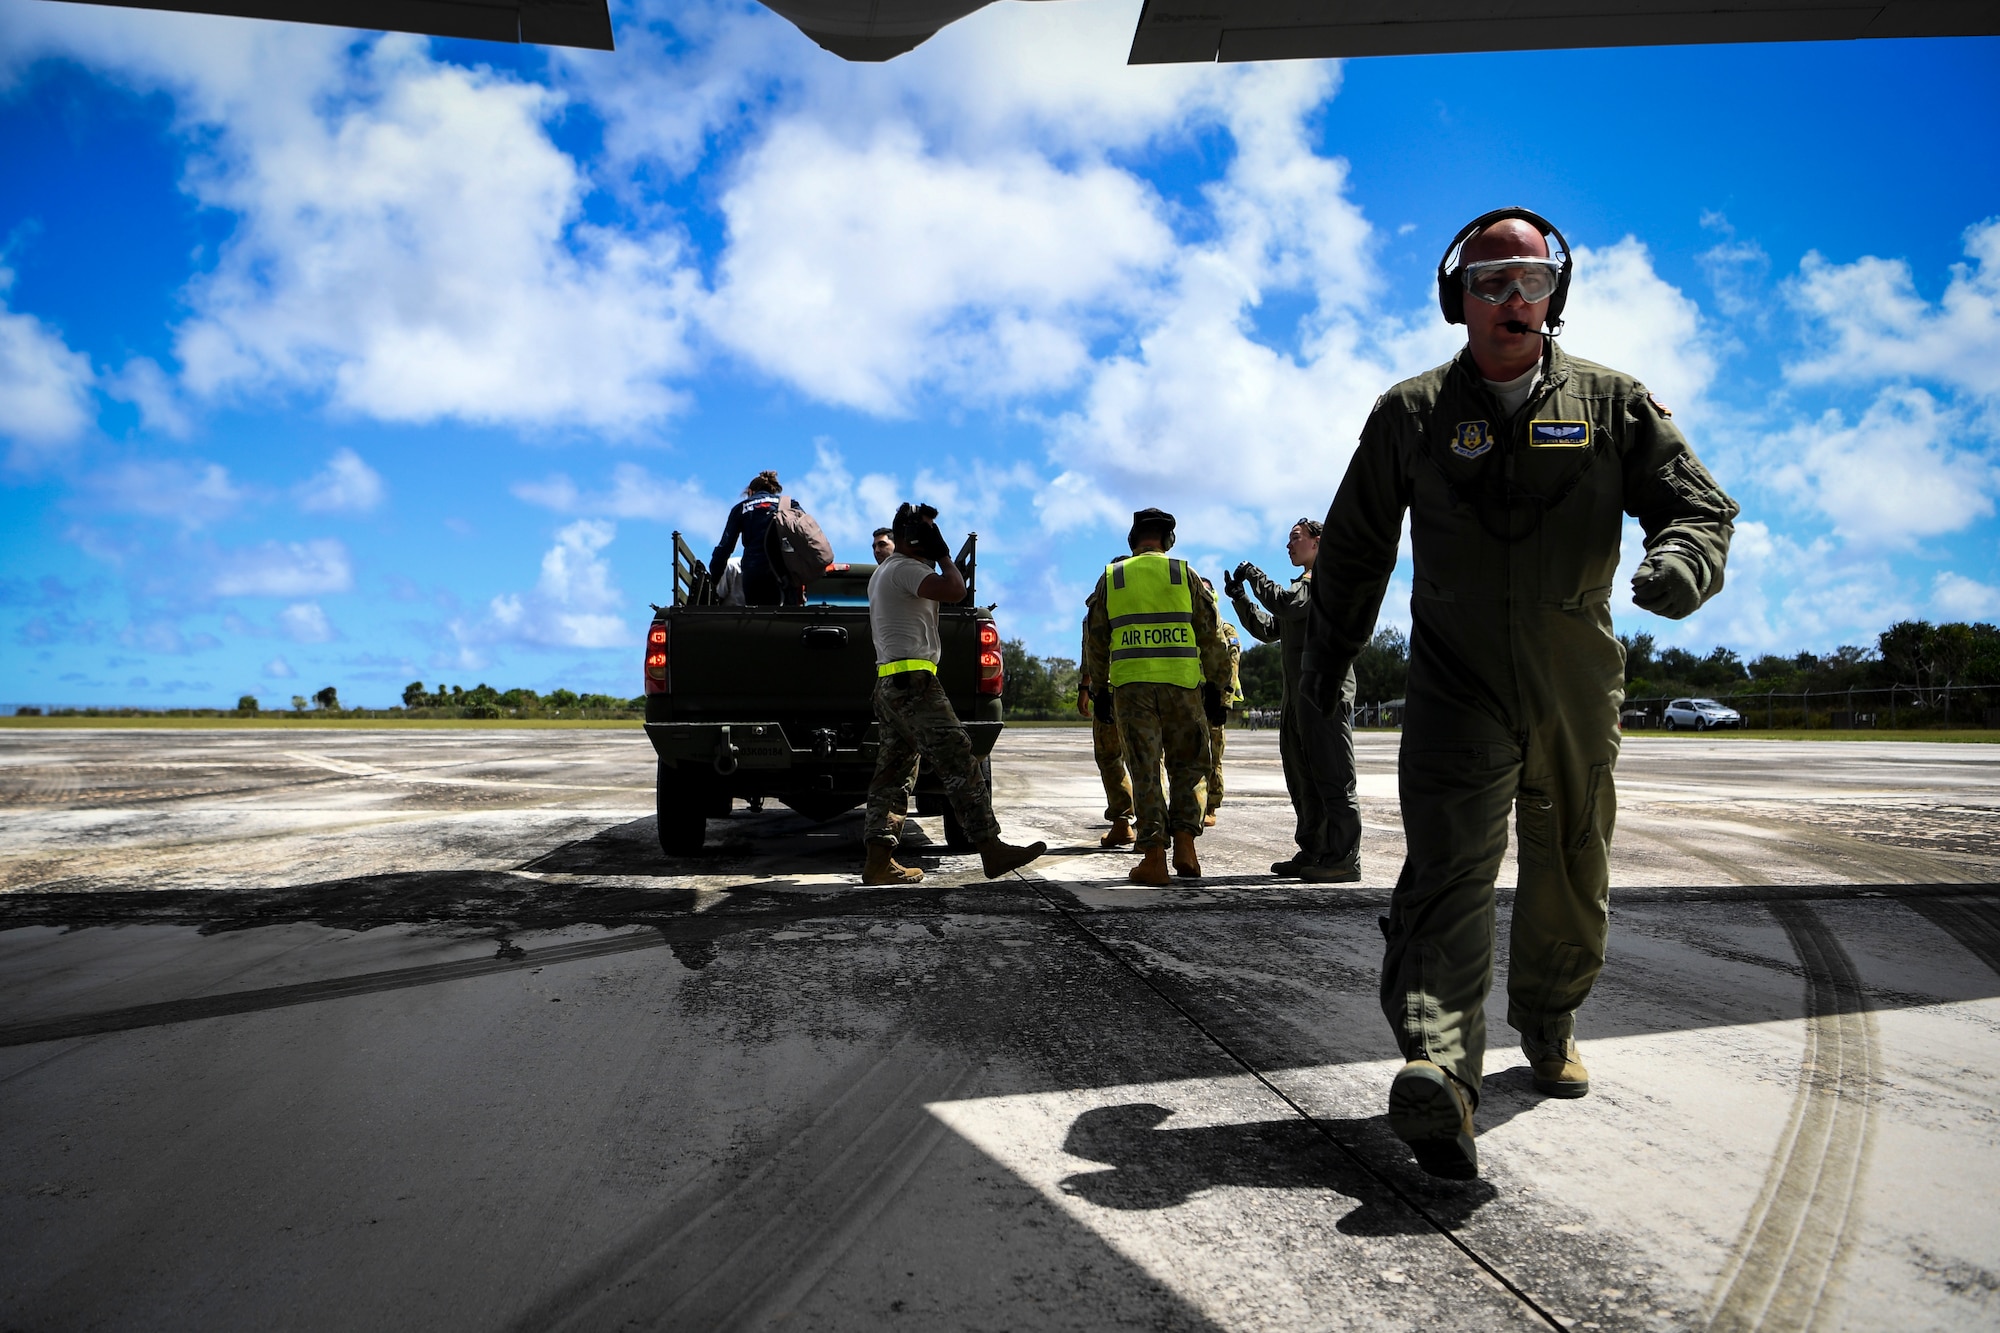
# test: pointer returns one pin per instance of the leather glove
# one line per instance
(1243, 572)
(1231, 585)
(930, 543)
(1667, 583)
(1212, 706)
(1102, 706)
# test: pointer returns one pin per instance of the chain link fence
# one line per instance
(1898, 708)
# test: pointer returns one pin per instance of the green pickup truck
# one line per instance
(767, 701)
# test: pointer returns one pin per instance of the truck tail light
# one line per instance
(992, 675)
(657, 681)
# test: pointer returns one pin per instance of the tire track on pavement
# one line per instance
(1973, 922)
(1788, 1257)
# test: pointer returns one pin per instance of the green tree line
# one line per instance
(1915, 654)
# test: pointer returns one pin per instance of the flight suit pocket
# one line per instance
(1535, 829)
(1690, 480)
(1591, 821)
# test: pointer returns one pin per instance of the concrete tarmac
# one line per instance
(418, 1030)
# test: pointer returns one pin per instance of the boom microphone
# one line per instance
(1516, 326)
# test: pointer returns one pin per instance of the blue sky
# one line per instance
(334, 358)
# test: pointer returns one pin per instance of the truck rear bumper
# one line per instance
(733, 747)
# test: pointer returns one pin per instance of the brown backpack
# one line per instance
(795, 543)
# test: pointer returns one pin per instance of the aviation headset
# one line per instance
(1451, 294)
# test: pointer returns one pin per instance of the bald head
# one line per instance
(1501, 352)
(1509, 238)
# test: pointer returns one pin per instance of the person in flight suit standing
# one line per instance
(1517, 465)
(1316, 748)
(1151, 644)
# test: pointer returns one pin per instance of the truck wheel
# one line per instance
(682, 813)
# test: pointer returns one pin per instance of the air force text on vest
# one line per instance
(1156, 636)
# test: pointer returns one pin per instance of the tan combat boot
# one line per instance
(882, 867)
(1431, 1112)
(1118, 835)
(1152, 868)
(996, 858)
(1557, 1066)
(1208, 820)
(1186, 864)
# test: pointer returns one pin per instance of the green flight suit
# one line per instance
(1315, 746)
(1515, 675)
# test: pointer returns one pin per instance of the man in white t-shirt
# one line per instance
(914, 718)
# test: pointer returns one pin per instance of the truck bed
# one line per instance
(779, 702)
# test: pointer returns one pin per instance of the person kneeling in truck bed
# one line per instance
(911, 711)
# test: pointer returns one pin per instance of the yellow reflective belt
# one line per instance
(907, 664)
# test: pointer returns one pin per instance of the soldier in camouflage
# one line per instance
(1109, 753)
(1165, 680)
(1218, 735)
(913, 717)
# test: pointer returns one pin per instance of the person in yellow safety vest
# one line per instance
(1164, 671)
(1217, 736)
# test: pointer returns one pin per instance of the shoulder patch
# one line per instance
(1558, 434)
(1659, 406)
(1472, 439)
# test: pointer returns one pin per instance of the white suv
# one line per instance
(1700, 714)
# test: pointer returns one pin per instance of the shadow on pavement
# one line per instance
(1153, 1168)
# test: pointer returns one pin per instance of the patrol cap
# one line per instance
(1152, 519)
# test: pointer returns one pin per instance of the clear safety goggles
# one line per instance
(1494, 280)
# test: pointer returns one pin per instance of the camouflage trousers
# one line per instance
(1212, 801)
(1109, 751)
(916, 721)
(1164, 723)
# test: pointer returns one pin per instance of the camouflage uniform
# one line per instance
(1212, 801)
(916, 720)
(1105, 746)
(1159, 721)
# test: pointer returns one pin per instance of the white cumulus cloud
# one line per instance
(634, 492)
(864, 272)
(1871, 323)
(409, 241)
(1957, 597)
(285, 569)
(574, 603)
(305, 622)
(190, 494)
(1892, 478)
(45, 385)
(346, 485)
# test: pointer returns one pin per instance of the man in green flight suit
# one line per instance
(1517, 465)
(1151, 644)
